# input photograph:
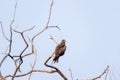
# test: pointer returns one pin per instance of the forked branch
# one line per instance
(20, 56)
(47, 23)
(53, 67)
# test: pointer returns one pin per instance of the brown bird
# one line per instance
(59, 51)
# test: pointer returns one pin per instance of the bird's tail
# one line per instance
(55, 60)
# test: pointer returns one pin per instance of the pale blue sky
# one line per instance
(90, 27)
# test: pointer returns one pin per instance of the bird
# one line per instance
(59, 51)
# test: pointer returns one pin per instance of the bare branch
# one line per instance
(5, 56)
(48, 21)
(51, 37)
(106, 74)
(33, 63)
(53, 67)
(54, 26)
(50, 11)
(99, 76)
(57, 70)
(1, 76)
(20, 56)
(15, 10)
(11, 33)
(71, 74)
(17, 68)
(23, 37)
(25, 74)
(10, 41)
(29, 29)
(33, 51)
(3, 32)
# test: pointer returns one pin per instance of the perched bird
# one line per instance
(59, 51)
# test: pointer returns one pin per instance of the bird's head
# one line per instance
(63, 41)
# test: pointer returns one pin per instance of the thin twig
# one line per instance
(51, 37)
(33, 64)
(3, 32)
(54, 26)
(106, 74)
(5, 56)
(71, 74)
(29, 29)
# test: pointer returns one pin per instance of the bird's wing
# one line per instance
(60, 49)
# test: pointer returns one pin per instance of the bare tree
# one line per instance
(18, 60)
(20, 57)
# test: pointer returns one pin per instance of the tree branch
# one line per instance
(3, 32)
(47, 23)
(20, 56)
(99, 76)
(25, 74)
(32, 66)
(51, 37)
(71, 74)
(57, 70)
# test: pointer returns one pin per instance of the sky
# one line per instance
(91, 29)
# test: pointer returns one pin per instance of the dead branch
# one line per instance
(16, 70)
(23, 37)
(53, 67)
(2, 77)
(11, 33)
(20, 56)
(5, 56)
(57, 70)
(33, 50)
(51, 37)
(54, 27)
(106, 74)
(32, 66)
(3, 32)
(47, 23)
(99, 76)
(25, 74)
(71, 74)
